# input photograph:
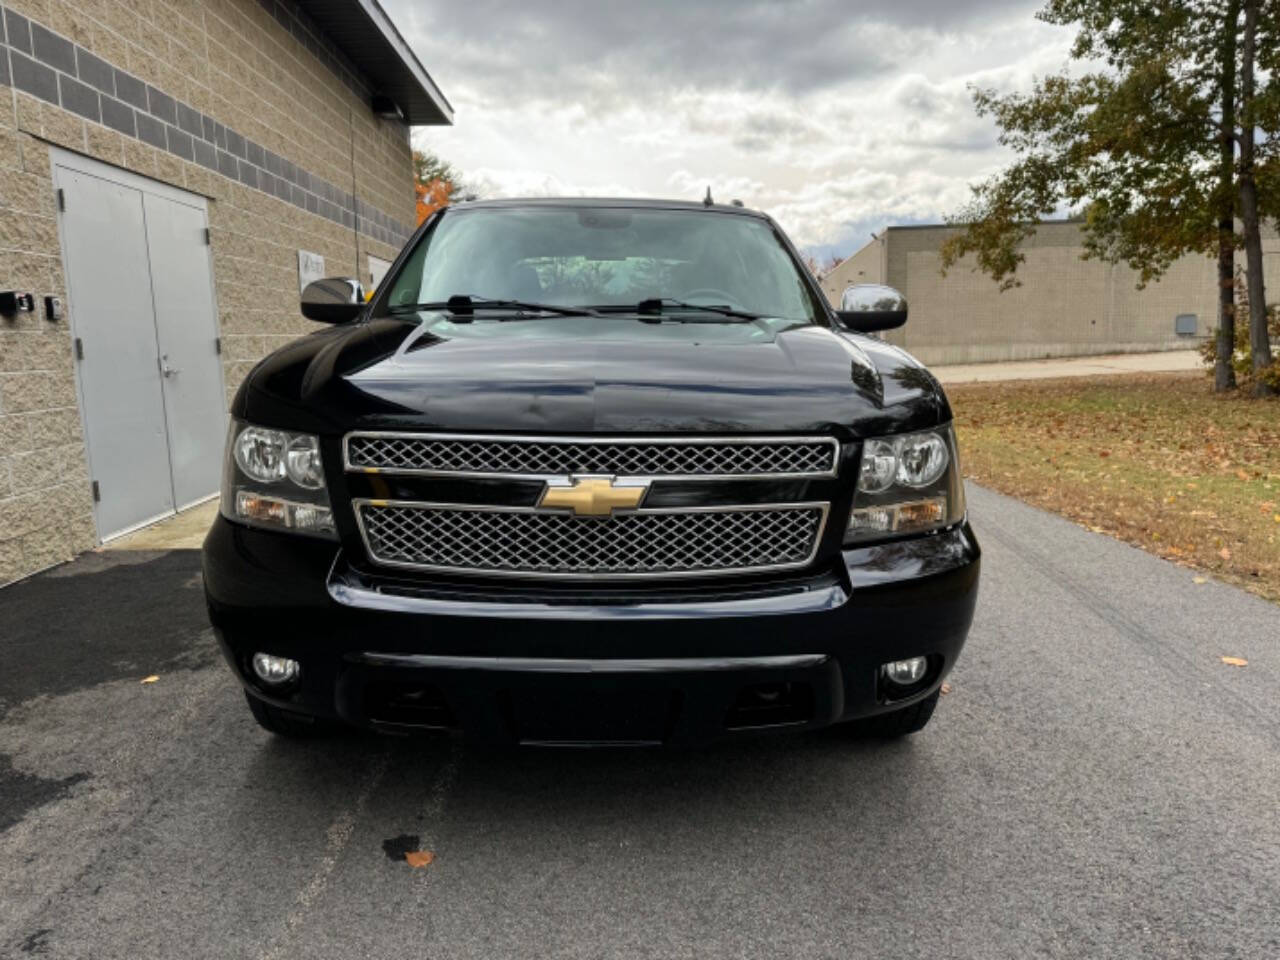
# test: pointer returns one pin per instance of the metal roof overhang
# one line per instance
(363, 31)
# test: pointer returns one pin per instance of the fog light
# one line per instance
(906, 672)
(274, 670)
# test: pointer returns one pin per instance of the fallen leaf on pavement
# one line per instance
(946, 688)
(419, 858)
(151, 679)
(1235, 661)
(1200, 580)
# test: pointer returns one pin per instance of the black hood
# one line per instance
(571, 376)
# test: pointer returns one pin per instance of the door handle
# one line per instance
(166, 370)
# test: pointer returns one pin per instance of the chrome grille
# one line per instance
(646, 543)
(703, 458)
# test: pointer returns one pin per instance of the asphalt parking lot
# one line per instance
(1098, 783)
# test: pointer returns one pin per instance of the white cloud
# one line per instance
(837, 120)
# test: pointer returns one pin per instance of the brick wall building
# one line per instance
(1066, 305)
(274, 127)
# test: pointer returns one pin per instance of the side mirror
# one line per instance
(332, 300)
(868, 307)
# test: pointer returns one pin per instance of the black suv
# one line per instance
(592, 471)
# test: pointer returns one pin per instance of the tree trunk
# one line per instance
(1259, 341)
(1224, 374)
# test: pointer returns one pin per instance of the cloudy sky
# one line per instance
(838, 117)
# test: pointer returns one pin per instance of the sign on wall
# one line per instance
(377, 270)
(310, 268)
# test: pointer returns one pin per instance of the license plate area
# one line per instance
(592, 710)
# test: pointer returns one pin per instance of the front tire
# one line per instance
(897, 723)
(284, 723)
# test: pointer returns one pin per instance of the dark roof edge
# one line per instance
(879, 237)
(383, 22)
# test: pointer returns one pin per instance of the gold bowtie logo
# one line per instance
(592, 496)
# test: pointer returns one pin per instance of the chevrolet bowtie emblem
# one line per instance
(589, 496)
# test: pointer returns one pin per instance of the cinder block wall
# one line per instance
(865, 266)
(1066, 306)
(242, 101)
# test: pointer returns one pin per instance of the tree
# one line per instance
(436, 183)
(1224, 373)
(1253, 114)
(1144, 144)
(820, 268)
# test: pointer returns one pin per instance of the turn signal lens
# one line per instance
(873, 520)
(899, 517)
(922, 514)
(253, 506)
(303, 517)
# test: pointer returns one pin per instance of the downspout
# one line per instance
(355, 200)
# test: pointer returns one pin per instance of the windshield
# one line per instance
(606, 257)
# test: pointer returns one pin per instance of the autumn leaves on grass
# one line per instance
(1156, 460)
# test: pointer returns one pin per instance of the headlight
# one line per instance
(275, 479)
(879, 466)
(921, 459)
(908, 484)
(259, 453)
(302, 461)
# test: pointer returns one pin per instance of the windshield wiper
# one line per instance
(654, 310)
(463, 306)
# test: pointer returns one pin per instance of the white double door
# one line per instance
(144, 323)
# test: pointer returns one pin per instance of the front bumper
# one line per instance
(531, 663)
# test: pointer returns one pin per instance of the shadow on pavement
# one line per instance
(495, 793)
(103, 616)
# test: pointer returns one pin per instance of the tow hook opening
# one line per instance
(408, 704)
(770, 705)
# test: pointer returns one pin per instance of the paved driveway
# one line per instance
(1097, 784)
(1168, 361)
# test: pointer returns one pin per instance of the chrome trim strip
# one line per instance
(589, 439)
(359, 502)
(348, 594)
(798, 661)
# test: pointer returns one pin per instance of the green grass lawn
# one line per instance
(1157, 460)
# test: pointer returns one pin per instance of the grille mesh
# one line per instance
(463, 455)
(463, 539)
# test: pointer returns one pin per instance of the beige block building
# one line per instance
(182, 157)
(1066, 306)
